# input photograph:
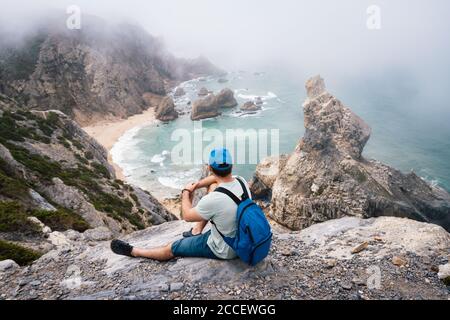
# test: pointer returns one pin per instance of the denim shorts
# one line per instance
(195, 247)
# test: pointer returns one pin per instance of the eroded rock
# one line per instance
(326, 176)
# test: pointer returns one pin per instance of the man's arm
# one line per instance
(189, 213)
(206, 182)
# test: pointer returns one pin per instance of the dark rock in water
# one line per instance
(225, 99)
(259, 101)
(166, 110)
(203, 92)
(209, 107)
(222, 80)
(326, 176)
(179, 92)
(205, 108)
(250, 106)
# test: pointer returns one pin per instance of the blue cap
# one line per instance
(220, 159)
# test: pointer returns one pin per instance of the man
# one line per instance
(216, 207)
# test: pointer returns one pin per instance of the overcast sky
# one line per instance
(317, 36)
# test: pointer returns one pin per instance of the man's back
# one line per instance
(219, 208)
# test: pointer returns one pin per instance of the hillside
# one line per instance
(50, 169)
(98, 72)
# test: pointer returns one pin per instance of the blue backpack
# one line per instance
(253, 235)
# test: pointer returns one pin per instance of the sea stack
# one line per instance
(166, 110)
(326, 177)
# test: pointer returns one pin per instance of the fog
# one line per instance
(308, 37)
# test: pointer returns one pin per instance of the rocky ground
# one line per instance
(348, 258)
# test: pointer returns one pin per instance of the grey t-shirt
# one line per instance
(222, 210)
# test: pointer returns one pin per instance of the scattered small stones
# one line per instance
(399, 261)
(360, 248)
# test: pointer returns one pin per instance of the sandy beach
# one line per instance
(108, 132)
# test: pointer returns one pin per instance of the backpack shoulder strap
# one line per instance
(245, 194)
(230, 194)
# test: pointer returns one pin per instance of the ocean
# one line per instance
(406, 134)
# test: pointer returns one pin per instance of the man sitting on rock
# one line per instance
(216, 207)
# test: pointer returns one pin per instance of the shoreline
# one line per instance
(108, 132)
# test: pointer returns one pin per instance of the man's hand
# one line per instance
(191, 187)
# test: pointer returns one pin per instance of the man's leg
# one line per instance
(160, 254)
(199, 226)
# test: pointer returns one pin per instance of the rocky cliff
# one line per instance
(326, 177)
(54, 177)
(348, 258)
(98, 72)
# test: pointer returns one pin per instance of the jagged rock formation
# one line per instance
(205, 108)
(166, 110)
(210, 106)
(326, 176)
(50, 169)
(250, 106)
(225, 99)
(316, 263)
(98, 72)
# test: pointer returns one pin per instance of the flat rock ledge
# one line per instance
(394, 258)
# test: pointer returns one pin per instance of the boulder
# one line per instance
(98, 234)
(222, 80)
(225, 99)
(326, 176)
(250, 106)
(209, 107)
(265, 175)
(166, 110)
(203, 92)
(179, 92)
(8, 265)
(205, 108)
(444, 273)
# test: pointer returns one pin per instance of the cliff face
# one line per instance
(101, 71)
(50, 169)
(316, 263)
(326, 176)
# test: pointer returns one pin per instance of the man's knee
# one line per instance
(169, 251)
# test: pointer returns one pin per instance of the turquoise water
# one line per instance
(405, 135)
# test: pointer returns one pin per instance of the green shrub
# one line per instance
(101, 170)
(64, 142)
(135, 198)
(13, 218)
(61, 220)
(77, 144)
(22, 256)
(46, 168)
(81, 159)
(88, 155)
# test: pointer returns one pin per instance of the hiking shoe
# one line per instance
(121, 247)
(188, 234)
